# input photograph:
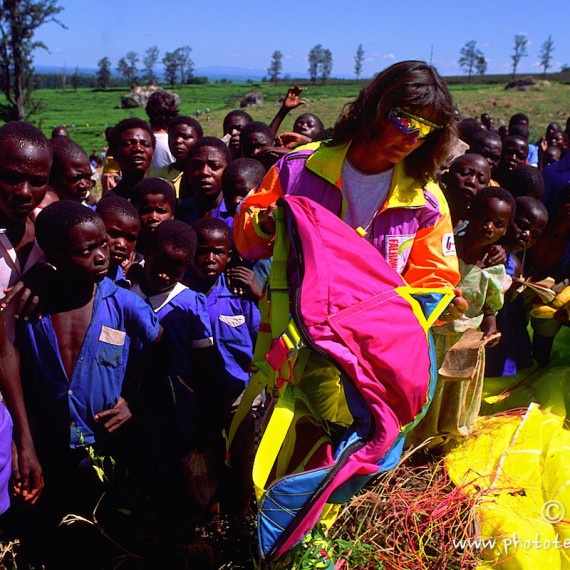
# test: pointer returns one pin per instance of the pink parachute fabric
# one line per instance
(333, 296)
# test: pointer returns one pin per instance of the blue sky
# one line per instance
(244, 33)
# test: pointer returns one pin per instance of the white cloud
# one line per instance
(389, 56)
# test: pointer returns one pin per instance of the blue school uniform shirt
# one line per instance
(189, 211)
(183, 314)
(235, 321)
(119, 319)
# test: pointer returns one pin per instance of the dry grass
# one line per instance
(412, 515)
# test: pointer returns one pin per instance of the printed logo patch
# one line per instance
(448, 244)
(232, 320)
(398, 250)
(112, 336)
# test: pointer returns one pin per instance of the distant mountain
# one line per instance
(212, 72)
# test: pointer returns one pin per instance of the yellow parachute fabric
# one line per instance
(518, 467)
(547, 386)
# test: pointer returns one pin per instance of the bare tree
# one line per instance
(275, 66)
(519, 51)
(320, 63)
(170, 68)
(358, 61)
(481, 65)
(127, 67)
(185, 64)
(326, 65)
(546, 54)
(104, 73)
(315, 57)
(470, 55)
(149, 61)
(19, 20)
(76, 79)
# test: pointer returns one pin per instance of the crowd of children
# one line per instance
(141, 316)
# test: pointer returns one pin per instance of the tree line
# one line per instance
(472, 59)
(320, 64)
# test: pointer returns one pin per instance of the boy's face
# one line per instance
(181, 140)
(75, 182)
(490, 221)
(490, 150)
(123, 232)
(515, 152)
(467, 175)
(306, 125)
(524, 230)
(557, 139)
(233, 127)
(134, 150)
(24, 177)
(153, 210)
(205, 170)
(237, 191)
(212, 256)
(253, 143)
(87, 254)
(163, 268)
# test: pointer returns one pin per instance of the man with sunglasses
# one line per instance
(376, 173)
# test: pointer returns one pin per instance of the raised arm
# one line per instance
(292, 101)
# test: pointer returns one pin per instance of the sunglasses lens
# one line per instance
(406, 124)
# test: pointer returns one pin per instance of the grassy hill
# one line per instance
(88, 112)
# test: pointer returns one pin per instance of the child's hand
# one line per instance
(496, 255)
(292, 99)
(25, 291)
(291, 140)
(266, 219)
(242, 281)
(116, 417)
(456, 308)
(27, 474)
(489, 328)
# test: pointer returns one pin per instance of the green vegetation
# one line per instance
(88, 112)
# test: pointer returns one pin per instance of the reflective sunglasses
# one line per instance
(407, 123)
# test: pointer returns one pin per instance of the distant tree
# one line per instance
(19, 20)
(184, 63)
(127, 67)
(320, 63)
(76, 79)
(358, 61)
(275, 66)
(63, 76)
(470, 55)
(481, 65)
(326, 65)
(315, 57)
(546, 54)
(170, 67)
(519, 51)
(149, 61)
(104, 73)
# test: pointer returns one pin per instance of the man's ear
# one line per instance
(230, 254)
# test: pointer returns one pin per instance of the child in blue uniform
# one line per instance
(173, 416)
(123, 225)
(235, 320)
(74, 369)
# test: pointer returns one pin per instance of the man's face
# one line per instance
(24, 177)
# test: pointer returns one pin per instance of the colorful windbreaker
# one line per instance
(413, 230)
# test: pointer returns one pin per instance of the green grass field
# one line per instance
(88, 112)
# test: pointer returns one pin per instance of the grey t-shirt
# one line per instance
(365, 194)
